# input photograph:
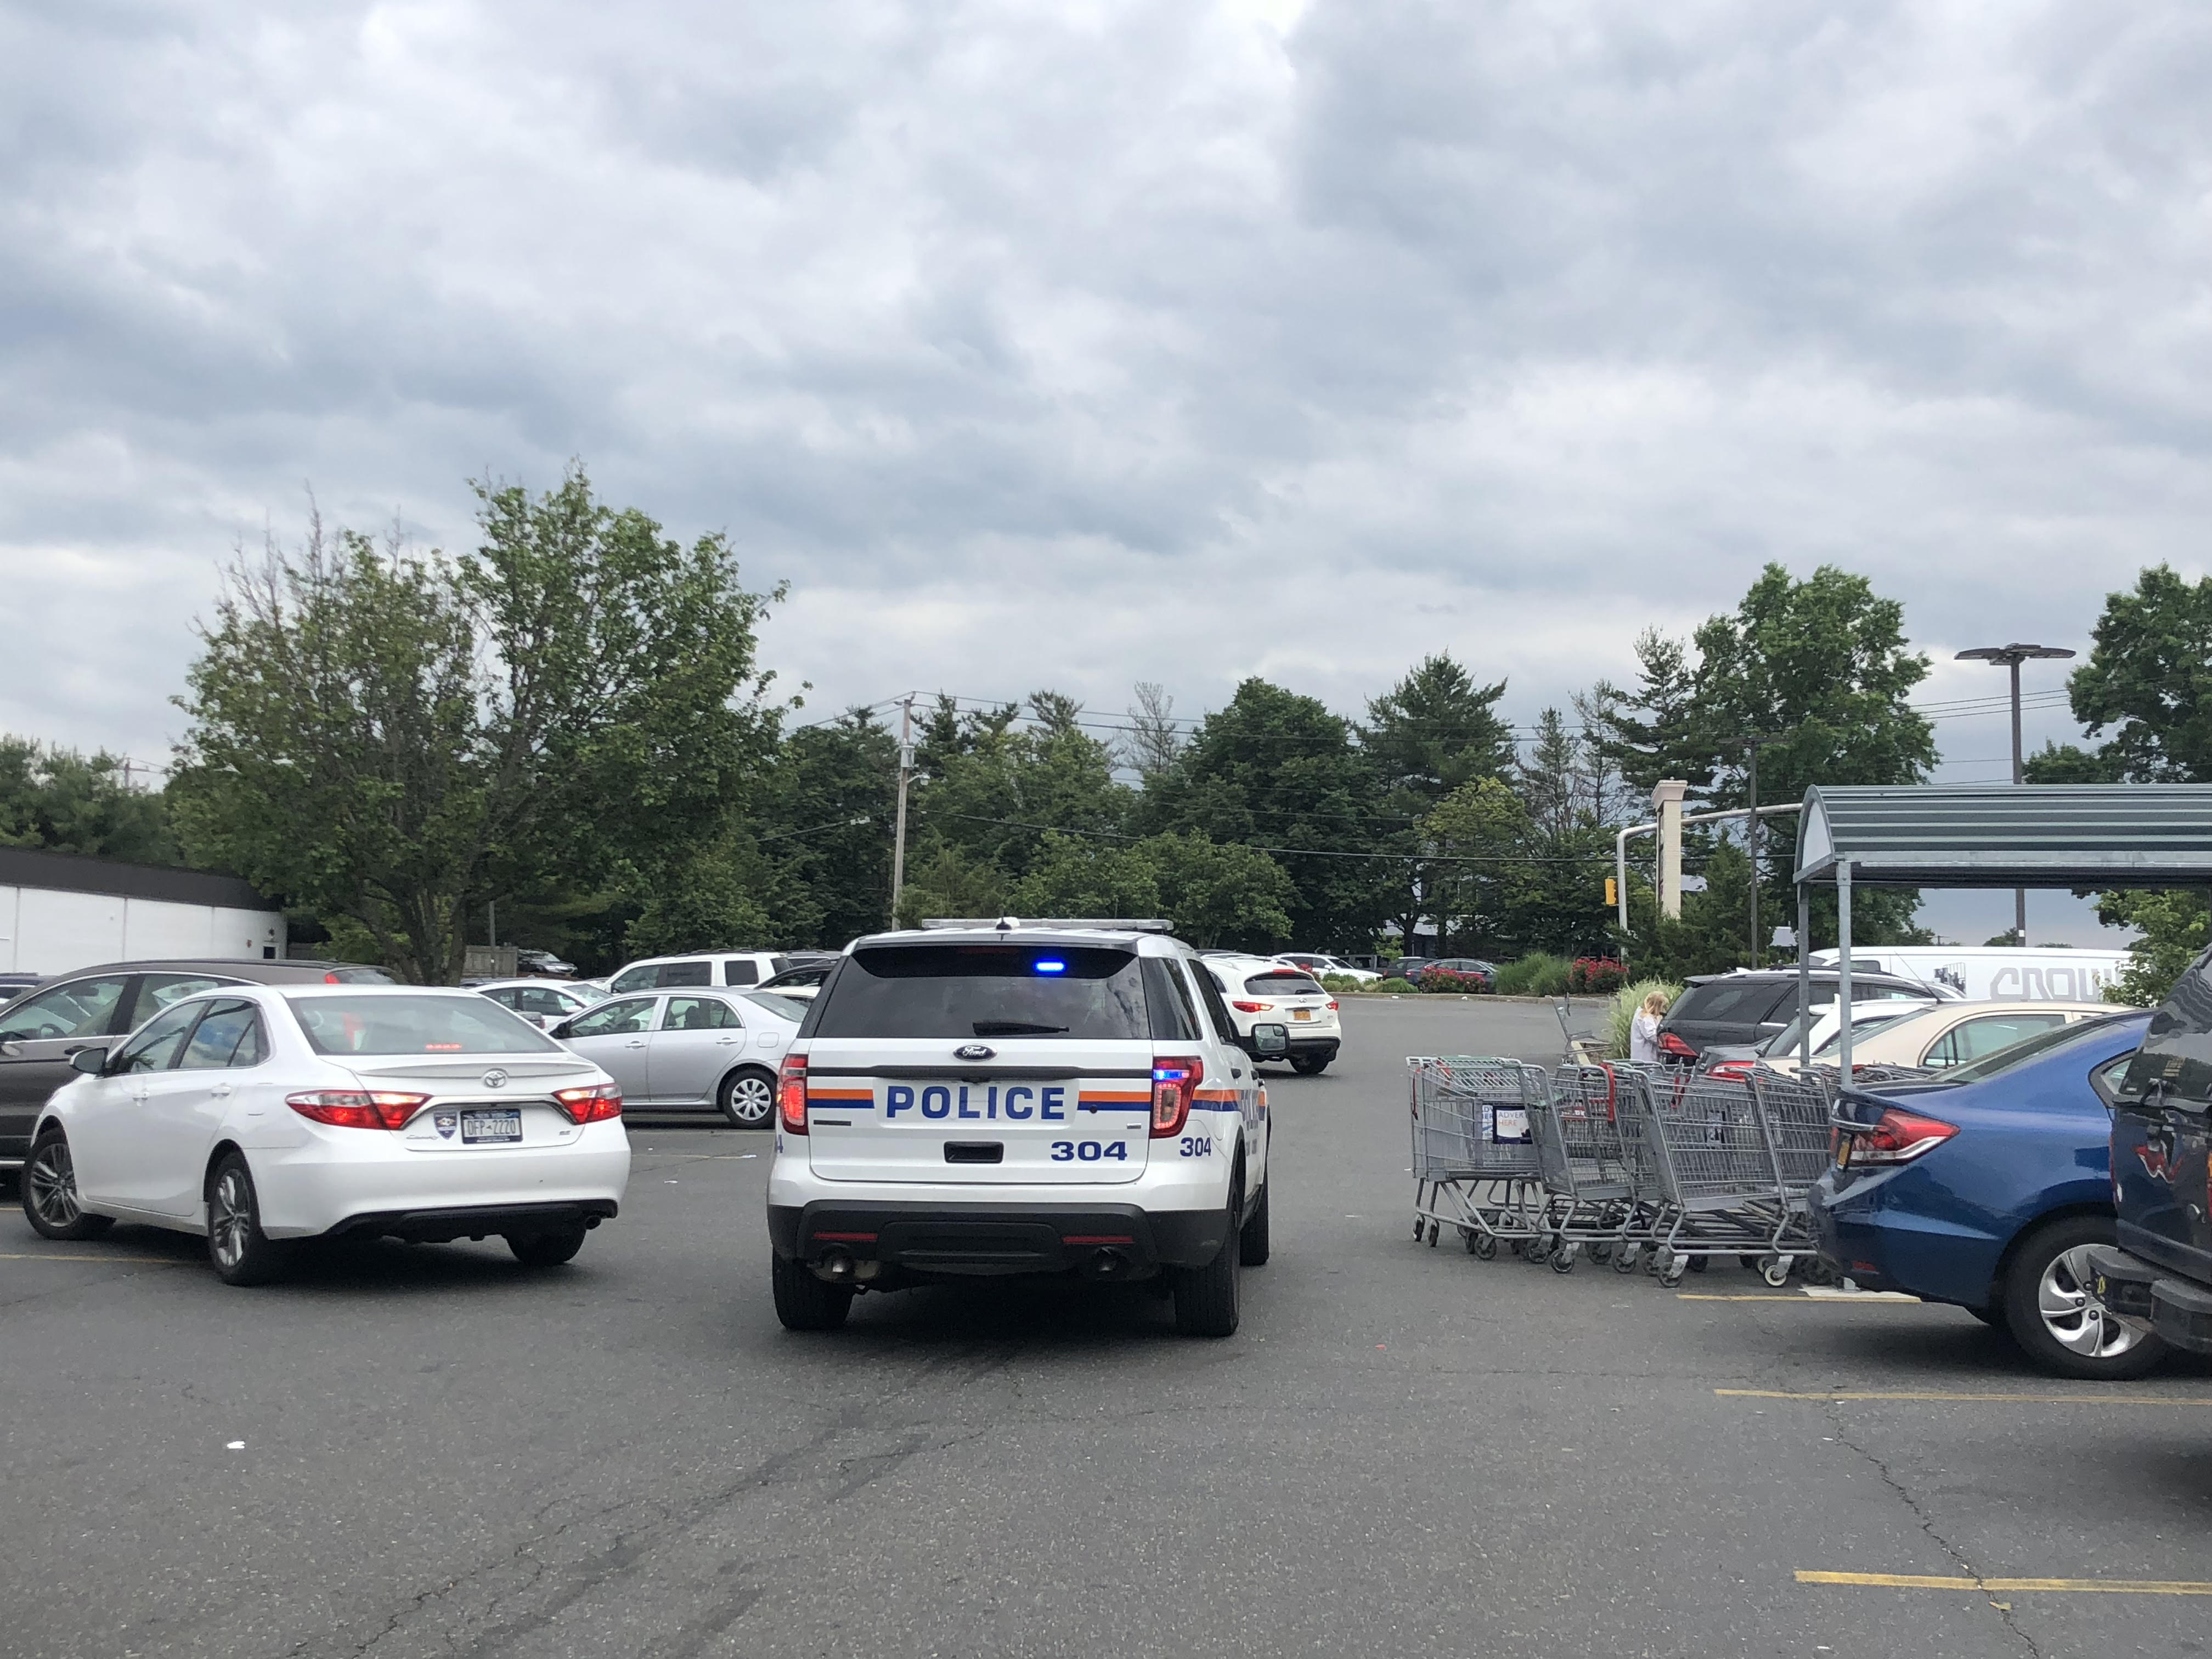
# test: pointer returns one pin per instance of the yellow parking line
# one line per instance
(50, 1256)
(2092, 1586)
(1997, 1399)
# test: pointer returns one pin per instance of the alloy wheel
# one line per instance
(230, 1218)
(2071, 1312)
(53, 1178)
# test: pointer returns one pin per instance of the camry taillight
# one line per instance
(790, 1094)
(1175, 1079)
(1251, 1007)
(1899, 1136)
(357, 1109)
(593, 1105)
(1671, 1044)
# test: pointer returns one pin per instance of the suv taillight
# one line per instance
(1671, 1044)
(790, 1095)
(1251, 1007)
(1898, 1137)
(357, 1109)
(1175, 1079)
(589, 1105)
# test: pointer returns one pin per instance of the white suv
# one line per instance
(1264, 990)
(742, 969)
(982, 1099)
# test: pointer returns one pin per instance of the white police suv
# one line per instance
(980, 1098)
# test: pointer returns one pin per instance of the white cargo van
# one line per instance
(1994, 973)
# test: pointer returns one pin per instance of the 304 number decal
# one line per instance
(1197, 1146)
(1090, 1152)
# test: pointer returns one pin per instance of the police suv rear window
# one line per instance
(970, 991)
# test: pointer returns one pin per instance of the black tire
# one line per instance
(1208, 1300)
(2096, 1347)
(48, 1188)
(747, 1098)
(240, 1252)
(1993, 1317)
(547, 1249)
(803, 1302)
(1252, 1238)
(1310, 1064)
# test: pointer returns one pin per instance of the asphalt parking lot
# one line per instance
(420, 1451)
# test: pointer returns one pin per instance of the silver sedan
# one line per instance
(697, 1046)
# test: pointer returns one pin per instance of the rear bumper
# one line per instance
(886, 1236)
(481, 1221)
(1325, 1046)
(2150, 1298)
(1886, 1232)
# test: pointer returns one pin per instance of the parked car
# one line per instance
(1780, 1051)
(741, 968)
(804, 980)
(1747, 1007)
(543, 962)
(1473, 968)
(705, 1047)
(1318, 965)
(1948, 1034)
(1988, 1188)
(1260, 991)
(262, 1115)
(2158, 1280)
(543, 1002)
(95, 1007)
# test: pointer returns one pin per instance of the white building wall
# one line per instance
(49, 932)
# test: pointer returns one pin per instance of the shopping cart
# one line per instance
(1475, 1155)
(1590, 1196)
(1718, 1187)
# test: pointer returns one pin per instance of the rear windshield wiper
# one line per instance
(1015, 1028)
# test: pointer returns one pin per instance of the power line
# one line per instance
(1316, 852)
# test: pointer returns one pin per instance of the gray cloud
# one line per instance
(1081, 344)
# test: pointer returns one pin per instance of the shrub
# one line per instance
(1626, 1002)
(1595, 976)
(1337, 984)
(1396, 986)
(1451, 979)
(1537, 975)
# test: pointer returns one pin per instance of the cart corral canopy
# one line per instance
(2003, 834)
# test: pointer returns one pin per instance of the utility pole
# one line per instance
(906, 773)
(1751, 830)
(1667, 798)
(2012, 656)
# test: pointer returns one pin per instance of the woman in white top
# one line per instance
(1643, 1030)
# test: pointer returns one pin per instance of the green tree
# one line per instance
(1435, 730)
(2172, 925)
(1275, 770)
(993, 788)
(67, 802)
(1214, 895)
(827, 808)
(392, 740)
(2148, 680)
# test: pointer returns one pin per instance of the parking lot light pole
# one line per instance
(906, 774)
(2012, 656)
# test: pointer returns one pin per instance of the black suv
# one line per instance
(2160, 1279)
(1746, 1008)
(95, 1007)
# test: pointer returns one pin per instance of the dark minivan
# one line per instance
(95, 1007)
(2160, 1279)
(1749, 1007)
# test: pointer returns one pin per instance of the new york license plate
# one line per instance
(492, 1126)
(1300, 1013)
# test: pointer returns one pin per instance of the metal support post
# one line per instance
(1667, 797)
(1844, 967)
(1804, 977)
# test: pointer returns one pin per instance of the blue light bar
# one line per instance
(1050, 965)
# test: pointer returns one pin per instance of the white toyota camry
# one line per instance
(259, 1115)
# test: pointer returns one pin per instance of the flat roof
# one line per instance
(2003, 835)
(79, 872)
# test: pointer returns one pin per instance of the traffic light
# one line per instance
(1612, 891)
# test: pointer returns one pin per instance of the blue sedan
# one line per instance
(1987, 1188)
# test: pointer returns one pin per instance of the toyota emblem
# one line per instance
(495, 1079)
(976, 1051)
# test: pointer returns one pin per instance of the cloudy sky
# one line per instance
(1076, 344)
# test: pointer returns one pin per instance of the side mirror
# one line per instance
(559, 1028)
(91, 1061)
(1269, 1041)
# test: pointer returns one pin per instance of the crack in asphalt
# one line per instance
(581, 1578)
(1834, 1411)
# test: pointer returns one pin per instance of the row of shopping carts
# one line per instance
(1630, 1164)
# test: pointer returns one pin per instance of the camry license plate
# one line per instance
(492, 1127)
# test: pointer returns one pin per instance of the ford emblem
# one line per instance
(495, 1079)
(976, 1051)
